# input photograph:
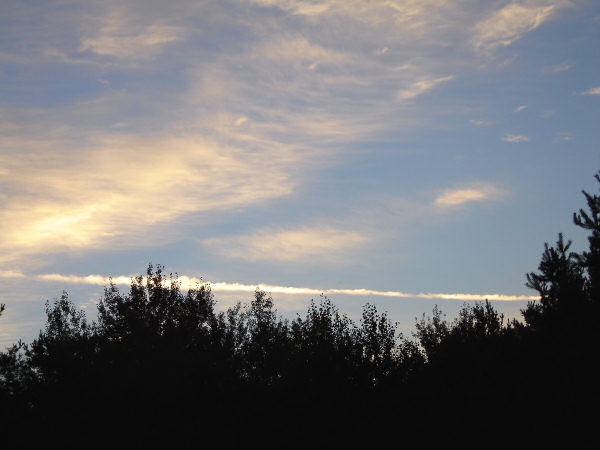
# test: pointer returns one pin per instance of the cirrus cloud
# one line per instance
(476, 192)
(288, 245)
(516, 138)
(592, 91)
(510, 23)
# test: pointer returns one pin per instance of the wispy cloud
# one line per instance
(420, 87)
(516, 138)
(212, 124)
(548, 113)
(118, 36)
(299, 7)
(288, 245)
(298, 49)
(558, 68)
(509, 24)
(474, 193)
(481, 123)
(123, 186)
(520, 108)
(192, 282)
(11, 274)
(592, 91)
(563, 137)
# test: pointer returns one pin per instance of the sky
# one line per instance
(405, 153)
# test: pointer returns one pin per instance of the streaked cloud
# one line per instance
(125, 185)
(475, 193)
(563, 137)
(592, 91)
(548, 113)
(288, 245)
(118, 36)
(11, 274)
(421, 86)
(510, 23)
(298, 49)
(481, 123)
(412, 14)
(516, 138)
(520, 108)
(307, 8)
(559, 68)
(192, 282)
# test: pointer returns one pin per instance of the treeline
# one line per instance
(163, 366)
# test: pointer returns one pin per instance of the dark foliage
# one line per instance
(162, 366)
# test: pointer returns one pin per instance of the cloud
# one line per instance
(288, 245)
(510, 23)
(118, 35)
(481, 123)
(300, 7)
(421, 86)
(547, 113)
(192, 282)
(475, 193)
(516, 138)
(520, 108)
(592, 91)
(563, 137)
(559, 68)
(124, 186)
(411, 13)
(297, 49)
(216, 125)
(11, 274)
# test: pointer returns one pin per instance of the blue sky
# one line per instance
(400, 146)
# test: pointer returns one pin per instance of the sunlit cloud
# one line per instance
(414, 13)
(307, 8)
(459, 196)
(592, 91)
(125, 185)
(119, 37)
(420, 87)
(186, 282)
(11, 274)
(297, 50)
(520, 108)
(516, 138)
(207, 126)
(475, 193)
(288, 245)
(511, 22)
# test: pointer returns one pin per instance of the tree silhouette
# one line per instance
(163, 366)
